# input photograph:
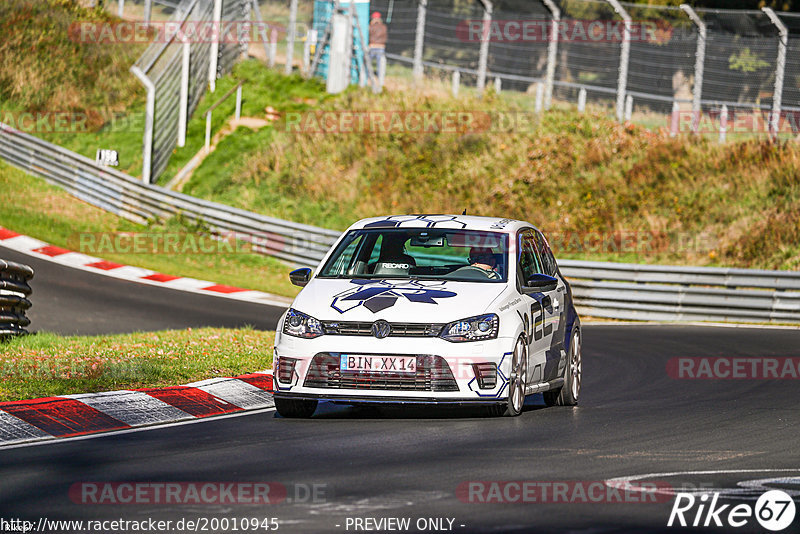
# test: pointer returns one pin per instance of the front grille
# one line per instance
(352, 328)
(433, 374)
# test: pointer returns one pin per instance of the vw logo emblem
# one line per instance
(381, 329)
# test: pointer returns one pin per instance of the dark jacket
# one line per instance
(377, 33)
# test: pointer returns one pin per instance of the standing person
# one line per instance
(378, 34)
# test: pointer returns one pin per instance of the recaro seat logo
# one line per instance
(774, 511)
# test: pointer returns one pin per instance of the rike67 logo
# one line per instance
(774, 511)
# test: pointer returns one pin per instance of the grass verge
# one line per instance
(31, 206)
(46, 364)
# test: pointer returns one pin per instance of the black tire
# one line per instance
(517, 382)
(568, 394)
(295, 408)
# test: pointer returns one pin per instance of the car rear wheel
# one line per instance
(568, 394)
(517, 381)
(295, 408)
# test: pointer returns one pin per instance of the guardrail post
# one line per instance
(539, 104)
(483, 55)
(552, 52)
(208, 131)
(273, 47)
(290, 37)
(624, 58)
(419, 38)
(674, 124)
(238, 113)
(381, 72)
(456, 83)
(582, 100)
(498, 85)
(628, 108)
(723, 124)
(214, 54)
(699, 65)
(150, 111)
(780, 71)
(121, 8)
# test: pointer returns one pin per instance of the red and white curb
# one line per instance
(66, 416)
(40, 249)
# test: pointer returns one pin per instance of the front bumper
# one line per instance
(445, 374)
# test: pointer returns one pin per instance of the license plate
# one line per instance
(378, 364)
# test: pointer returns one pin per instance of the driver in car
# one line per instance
(483, 258)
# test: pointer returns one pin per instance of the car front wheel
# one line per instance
(517, 382)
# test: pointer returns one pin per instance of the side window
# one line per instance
(345, 259)
(548, 260)
(529, 262)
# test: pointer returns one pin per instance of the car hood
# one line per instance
(411, 301)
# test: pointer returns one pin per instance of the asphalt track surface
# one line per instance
(633, 420)
(72, 301)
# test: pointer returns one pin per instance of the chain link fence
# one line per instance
(676, 58)
(177, 69)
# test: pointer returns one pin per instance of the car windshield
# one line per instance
(420, 253)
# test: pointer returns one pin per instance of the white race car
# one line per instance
(430, 309)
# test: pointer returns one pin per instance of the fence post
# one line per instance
(183, 112)
(260, 20)
(498, 85)
(208, 131)
(582, 100)
(780, 71)
(121, 8)
(624, 58)
(456, 83)
(213, 56)
(307, 54)
(148, 11)
(552, 53)
(723, 124)
(419, 38)
(483, 55)
(150, 110)
(290, 37)
(699, 65)
(674, 124)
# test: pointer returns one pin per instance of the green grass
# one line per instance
(45, 364)
(31, 206)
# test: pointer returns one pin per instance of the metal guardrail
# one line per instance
(610, 290)
(667, 293)
(14, 290)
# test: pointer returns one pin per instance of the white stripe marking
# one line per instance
(134, 408)
(13, 429)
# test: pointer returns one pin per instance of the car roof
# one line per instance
(466, 222)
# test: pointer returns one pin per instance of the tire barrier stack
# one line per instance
(14, 290)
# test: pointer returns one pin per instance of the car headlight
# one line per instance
(476, 328)
(298, 324)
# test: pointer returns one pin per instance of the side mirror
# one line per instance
(300, 277)
(541, 283)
